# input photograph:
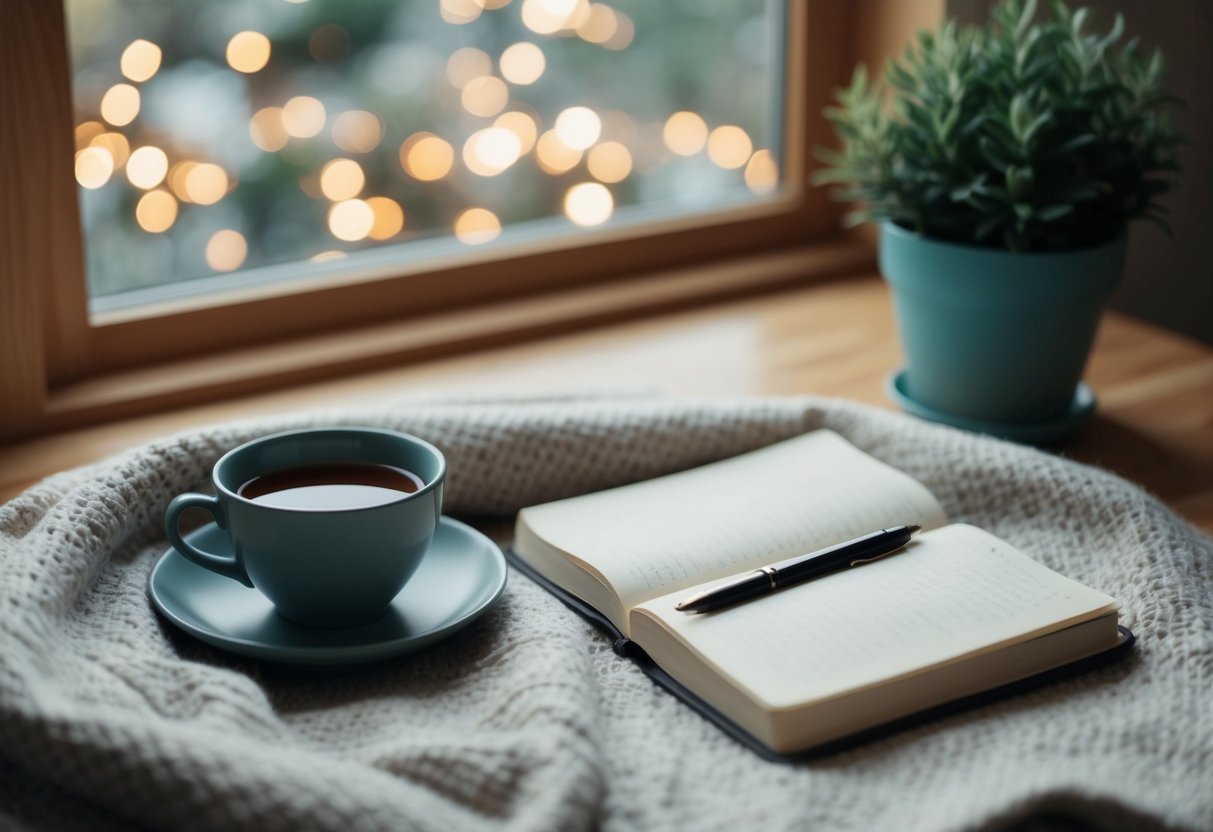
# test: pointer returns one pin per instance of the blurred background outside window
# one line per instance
(227, 143)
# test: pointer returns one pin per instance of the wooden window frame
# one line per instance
(62, 367)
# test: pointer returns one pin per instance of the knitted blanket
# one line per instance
(112, 719)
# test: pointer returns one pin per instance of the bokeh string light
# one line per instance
(86, 131)
(226, 250)
(588, 203)
(460, 12)
(177, 176)
(762, 172)
(116, 144)
(267, 130)
(484, 96)
(476, 226)
(609, 162)
(490, 151)
(248, 51)
(492, 108)
(600, 25)
(328, 256)
(156, 211)
(351, 220)
(554, 156)
(522, 126)
(147, 167)
(625, 31)
(578, 127)
(426, 157)
(389, 218)
(140, 60)
(522, 63)
(342, 179)
(467, 63)
(303, 116)
(685, 133)
(120, 104)
(94, 166)
(206, 183)
(357, 131)
(540, 17)
(729, 146)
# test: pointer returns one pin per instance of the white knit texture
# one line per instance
(112, 719)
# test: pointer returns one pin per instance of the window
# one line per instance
(419, 292)
(299, 134)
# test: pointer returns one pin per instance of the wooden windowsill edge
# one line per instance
(261, 368)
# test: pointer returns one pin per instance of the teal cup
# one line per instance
(320, 567)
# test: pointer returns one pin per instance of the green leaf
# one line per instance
(987, 226)
(1041, 121)
(1049, 213)
(854, 218)
(1079, 21)
(1070, 145)
(1020, 180)
(1025, 18)
(1020, 116)
(1118, 30)
(1026, 132)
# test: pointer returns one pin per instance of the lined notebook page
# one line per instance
(670, 533)
(952, 592)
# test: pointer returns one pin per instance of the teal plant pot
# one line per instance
(991, 335)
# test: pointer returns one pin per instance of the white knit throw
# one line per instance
(112, 719)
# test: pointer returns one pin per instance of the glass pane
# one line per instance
(226, 143)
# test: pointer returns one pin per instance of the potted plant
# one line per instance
(1002, 177)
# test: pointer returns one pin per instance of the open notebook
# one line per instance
(956, 613)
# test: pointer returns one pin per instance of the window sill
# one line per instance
(837, 338)
(247, 370)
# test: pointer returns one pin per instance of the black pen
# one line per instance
(855, 552)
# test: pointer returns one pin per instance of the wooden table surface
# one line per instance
(1154, 424)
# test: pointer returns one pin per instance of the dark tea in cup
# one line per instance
(331, 487)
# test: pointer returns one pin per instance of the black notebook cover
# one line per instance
(626, 647)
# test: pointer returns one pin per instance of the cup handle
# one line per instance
(229, 567)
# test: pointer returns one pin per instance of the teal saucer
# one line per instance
(1028, 433)
(462, 574)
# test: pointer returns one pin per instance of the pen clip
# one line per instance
(862, 561)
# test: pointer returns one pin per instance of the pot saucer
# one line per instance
(1030, 433)
(461, 575)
